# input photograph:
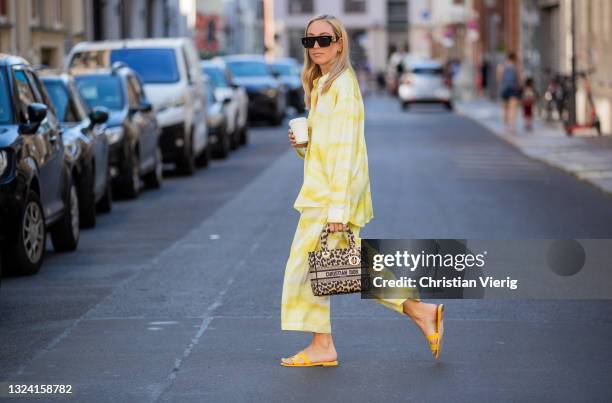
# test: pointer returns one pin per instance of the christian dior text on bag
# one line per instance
(336, 271)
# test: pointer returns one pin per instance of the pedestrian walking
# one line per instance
(508, 76)
(335, 193)
(529, 98)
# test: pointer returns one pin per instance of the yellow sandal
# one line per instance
(435, 339)
(306, 362)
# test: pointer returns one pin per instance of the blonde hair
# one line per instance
(312, 71)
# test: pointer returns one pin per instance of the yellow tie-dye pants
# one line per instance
(300, 309)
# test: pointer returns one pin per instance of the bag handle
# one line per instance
(325, 233)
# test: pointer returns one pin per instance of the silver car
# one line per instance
(424, 82)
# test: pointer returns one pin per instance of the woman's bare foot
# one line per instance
(321, 349)
(423, 315)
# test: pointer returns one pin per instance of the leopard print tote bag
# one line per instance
(336, 271)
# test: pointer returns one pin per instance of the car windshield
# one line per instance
(59, 97)
(101, 90)
(155, 66)
(248, 68)
(5, 105)
(284, 69)
(427, 71)
(216, 76)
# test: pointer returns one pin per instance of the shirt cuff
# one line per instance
(335, 214)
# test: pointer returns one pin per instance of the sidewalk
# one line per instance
(588, 158)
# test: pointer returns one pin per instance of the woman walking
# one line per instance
(509, 77)
(335, 193)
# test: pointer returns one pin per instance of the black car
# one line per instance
(267, 95)
(37, 191)
(288, 71)
(132, 128)
(85, 144)
(216, 121)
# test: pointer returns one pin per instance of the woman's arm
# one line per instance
(343, 140)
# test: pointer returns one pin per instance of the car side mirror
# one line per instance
(98, 115)
(36, 114)
(234, 86)
(146, 106)
(226, 101)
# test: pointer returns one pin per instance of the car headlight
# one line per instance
(4, 162)
(114, 134)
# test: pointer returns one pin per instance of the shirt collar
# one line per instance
(321, 80)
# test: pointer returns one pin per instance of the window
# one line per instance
(300, 6)
(5, 104)
(56, 13)
(61, 101)
(216, 77)
(3, 9)
(101, 90)
(35, 12)
(248, 68)
(164, 70)
(25, 95)
(354, 6)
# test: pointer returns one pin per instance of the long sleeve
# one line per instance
(341, 158)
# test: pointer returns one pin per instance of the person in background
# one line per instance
(530, 97)
(509, 77)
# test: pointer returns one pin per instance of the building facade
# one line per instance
(41, 30)
(373, 26)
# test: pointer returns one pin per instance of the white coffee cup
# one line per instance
(299, 127)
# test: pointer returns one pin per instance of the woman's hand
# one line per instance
(336, 226)
(292, 140)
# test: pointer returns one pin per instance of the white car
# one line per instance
(170, 71)
(424, 82)
(237, 108)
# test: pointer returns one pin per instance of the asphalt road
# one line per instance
(176, 297)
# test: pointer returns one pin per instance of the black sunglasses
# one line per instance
(323, 40)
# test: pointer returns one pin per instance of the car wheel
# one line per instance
(223, 144)
(278, 119)
(244, 135)
(235, 138)
(186, 165)
(153, 179)
(87, 200)
(25, 256)
(449, 106)
(131, 179)
(105, 204)
(65, 233)
(204, 158)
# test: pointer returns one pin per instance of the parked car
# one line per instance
(85, 143)
(424, 82)
(237, 110)
(289, 72)
(37, 190)
(170, 71)
(132, 128)
(216, 121)
(267, 95)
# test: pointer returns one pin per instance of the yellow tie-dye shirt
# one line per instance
(335, 160)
